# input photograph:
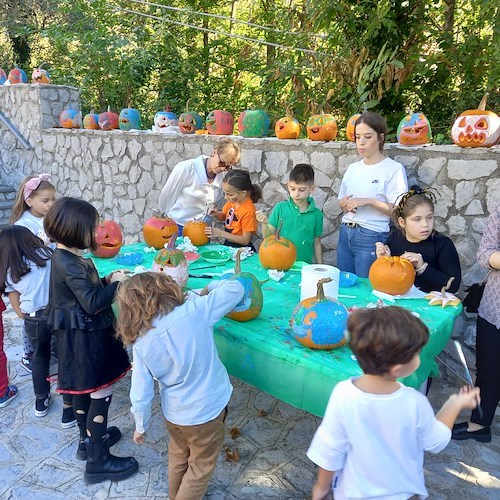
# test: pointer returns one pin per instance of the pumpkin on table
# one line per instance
(476, 127)
(157, 231)
(195, 231)
(252, 302)
(322, 128)
(276, 252)
(172, 262)
(253, 123)
(320, 322)
(392, 275)
(220, 122)
(414, 129)
(109, 239)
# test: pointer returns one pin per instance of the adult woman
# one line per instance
(367, 194)
(195, 185)
(487, 337)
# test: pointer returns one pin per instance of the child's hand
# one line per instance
(214, 232)
(382, 250)
(138, 437)
(415, 258)
(261, 216)
(120, 275)
(469, 397)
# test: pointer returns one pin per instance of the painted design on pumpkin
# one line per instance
(70, 118)
(172, 262)
(129, 119)
(276, 252)
(3, 76)
(320, 322)
(322, 128)
(91, 121)
(190, 122)
(287, 127)
(392, 275)
(350, 127)
(165, 121)
(443, 298)
(108, 120)
(219, 122)
(16, 76)
(157, 231)
(414, 129)
(40, 75)
(109, 239)
(253, 123)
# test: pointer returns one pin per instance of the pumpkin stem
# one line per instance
(187, 105)
(277, 233)
(450, 281)
(171, 241)
(237, 265)
(320, 294)
(482, 104)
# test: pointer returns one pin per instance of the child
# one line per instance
(432, 254)
(238, 214)
(90, 359)
(173, 343)
(302, 221)
(375, 429)
(367, 195)
(25, 273)
(34, 197)
(7, 392)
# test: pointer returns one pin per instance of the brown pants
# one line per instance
(192, 455)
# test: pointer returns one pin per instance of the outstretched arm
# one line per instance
(323, 484)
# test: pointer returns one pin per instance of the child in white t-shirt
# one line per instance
(375, 430)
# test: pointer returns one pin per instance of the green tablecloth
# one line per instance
(264, 353)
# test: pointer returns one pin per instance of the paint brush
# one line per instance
(467, 372)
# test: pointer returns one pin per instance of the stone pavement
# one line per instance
(265, 458)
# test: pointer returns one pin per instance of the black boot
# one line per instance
(101, 465)
(112, 436)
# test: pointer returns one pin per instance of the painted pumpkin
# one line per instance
(165, 120)
(253, 123)
(108, 120)
(70, 118)
(91, 121)
(251, 304)
(3, 76)
(276, 252)
(414, 129)
(129, 119)
(322, 128)
(287, 127)
(171, 262)
(189, 121)
(350, 127)
(40, 75)
(476, 127)
(392, 275)
(109, 239)
(195, 231)
(157, 231)
(220, 122)
(320, 322)
(17, 75)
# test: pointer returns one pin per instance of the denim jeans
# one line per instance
(356, 249)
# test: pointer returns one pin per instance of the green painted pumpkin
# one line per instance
(252, 302)
(253, 123)
(320, 322)
(172, 262)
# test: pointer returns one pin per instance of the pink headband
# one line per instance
(33, 184)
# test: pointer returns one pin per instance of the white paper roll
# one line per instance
(312, 273)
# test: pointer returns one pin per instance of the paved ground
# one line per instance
(266, 458)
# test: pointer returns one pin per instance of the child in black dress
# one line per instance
(432, 254)
(90, 358)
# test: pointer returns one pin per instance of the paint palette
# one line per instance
(347, 279)
(129, 259)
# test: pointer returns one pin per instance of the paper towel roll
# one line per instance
(312, 273)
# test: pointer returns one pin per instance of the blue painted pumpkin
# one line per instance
(414, 129)
(251, 304)
(129, 119)
(17, 75)
(190, 122)
(70, 118)
(91, 121)
(3, 76)
(320, 322)
(253, 123)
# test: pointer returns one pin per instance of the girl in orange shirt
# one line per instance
(238, 214)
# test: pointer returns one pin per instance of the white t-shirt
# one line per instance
(34, 224)
(187, 193)
(384, 181)
(375, 442)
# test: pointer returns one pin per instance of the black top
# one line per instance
(440, 254)
(79, 312)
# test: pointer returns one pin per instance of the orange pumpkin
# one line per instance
(157, 231)
(276, 252)
(350, 127)
(322, 128)
(195, 231)
(109, 239)
(392, 275)
(476, 127)
(287, 127)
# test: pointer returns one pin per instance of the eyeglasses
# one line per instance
(223, 163)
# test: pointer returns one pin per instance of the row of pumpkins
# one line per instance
(318, 322)
(473, 128)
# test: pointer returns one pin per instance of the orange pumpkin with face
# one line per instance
(322, 128)
(157, 231)
(287, 127)
(392, 275)
(109, 239)
(414, 129)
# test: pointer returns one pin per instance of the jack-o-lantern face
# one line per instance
(322, 128)
(414, 129)
(3, 76)
(158, 230)
(171, 262)
(70, 118)
(129, 119)
(165, 119)
(475, 130)
(253, 123)
(190, 122)
(109, 239)
(220, 122)
(40, 75)
(287, 127)
(351, 124)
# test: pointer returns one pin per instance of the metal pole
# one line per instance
(15, 131)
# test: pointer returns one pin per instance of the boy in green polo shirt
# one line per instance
(302, 221)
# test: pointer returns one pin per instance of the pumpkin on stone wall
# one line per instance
(3, 76)
(220, 122)
(322, 127)
(476, 128)
(351, 125)
(129, 119)
(17, 75)
(166, 121)
(414, 129)
(91, 121)
(109, 239)
(70, 118)
(253, 123)
(287, 127)
(40, 75)
(189, 121)
(108, 120)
